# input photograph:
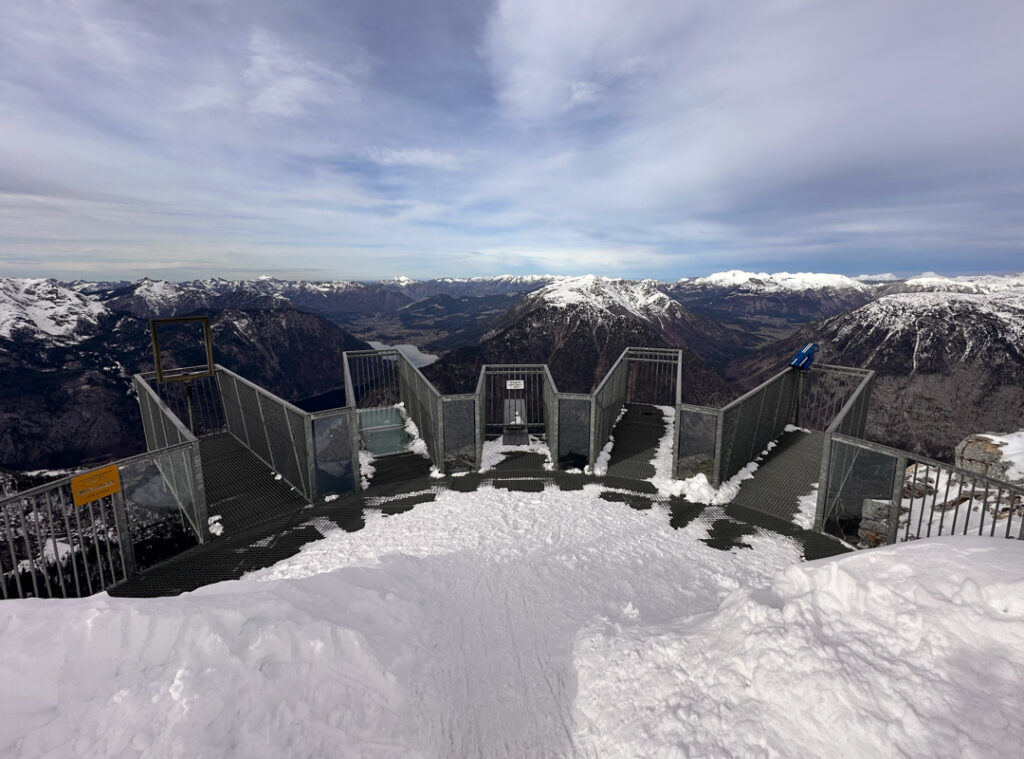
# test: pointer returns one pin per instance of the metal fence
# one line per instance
(607, 401)
(900, 496)
(163, 428)
(424, 406)
(50, 548)
(750, 422)
(273, 429)
(460, 414)
(824, 392)
(514, 394)
(696, 441)
(372, 378)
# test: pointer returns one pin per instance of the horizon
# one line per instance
(316, 141)
(881, 277)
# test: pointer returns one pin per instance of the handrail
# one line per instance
(62, 481)
(756, 390)
(854, 397)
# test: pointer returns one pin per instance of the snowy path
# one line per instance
(554, 624)
(509, 580)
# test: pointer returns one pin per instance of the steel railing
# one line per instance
(278, 432)
(900, 496)
(749, 423)
(163, 428)
(51, 548)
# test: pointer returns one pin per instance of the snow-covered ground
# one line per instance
(508, 624)
(494, 452)
(416, 357)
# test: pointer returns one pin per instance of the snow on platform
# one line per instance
(511, 624)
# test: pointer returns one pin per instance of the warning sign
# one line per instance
(515, 384)
(96, 484)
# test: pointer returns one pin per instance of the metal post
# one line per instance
(123, 536)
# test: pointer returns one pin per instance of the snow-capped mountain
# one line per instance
(780, 282)
(580, 325)
(467, 286)
(66, 362)
(44, 309)
(979, 284)
(763, 307)
(947, 363)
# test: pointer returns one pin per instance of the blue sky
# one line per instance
(367, 139)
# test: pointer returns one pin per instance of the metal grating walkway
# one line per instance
(237, 553)
(241, 488)
(787, 472)
(636, 441)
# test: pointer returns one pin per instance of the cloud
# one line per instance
(287, 84)
(417, 157)
(619, 136)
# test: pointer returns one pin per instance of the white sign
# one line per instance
(515, 384)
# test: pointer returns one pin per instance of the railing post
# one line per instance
(826, 461)
(892, 528)
(124, 536)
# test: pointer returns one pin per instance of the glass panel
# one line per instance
(696, 454)
(333, 452)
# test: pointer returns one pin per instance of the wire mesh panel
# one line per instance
(752, 421)
(374, 378)
(460, 433)
(423, 405)
(859, 480)
(332, 450)
(573, 431)
(158, 498)
(287, 456)
(233, 413)
(695, 448)
(825, 392)
(608, 400)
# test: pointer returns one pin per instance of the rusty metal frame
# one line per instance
(154, 325)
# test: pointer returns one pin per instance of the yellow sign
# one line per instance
(96, 484)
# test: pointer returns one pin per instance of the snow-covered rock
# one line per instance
(999, 456)
(43, 308)
(643, 298)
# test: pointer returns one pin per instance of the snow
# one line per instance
(978, 284)
(974, 315)
(780, 281)
(807, 507)
(509, 624)
(494, 452)
(42, 306)
(215, 525)
(887, 277)
(366, 468)
(604, 294)
(416, 444)
(912, 651)
(416, 357)
(1012, 446)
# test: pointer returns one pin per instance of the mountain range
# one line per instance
(946, 350)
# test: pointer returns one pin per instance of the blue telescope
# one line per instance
(804, 357)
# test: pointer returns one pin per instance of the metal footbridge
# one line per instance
(235, 478)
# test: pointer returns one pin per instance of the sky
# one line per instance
(315, 139)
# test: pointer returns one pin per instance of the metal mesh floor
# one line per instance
(239, 552)
(636, 441)
(788, 472)
(240, 487)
